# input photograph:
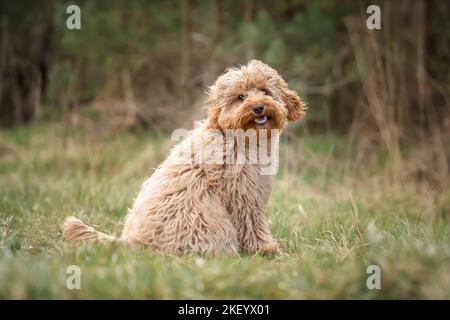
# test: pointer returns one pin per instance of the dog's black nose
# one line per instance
(258, 109)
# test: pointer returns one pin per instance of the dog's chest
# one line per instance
(245, 185)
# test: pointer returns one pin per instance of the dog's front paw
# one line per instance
(269, 248)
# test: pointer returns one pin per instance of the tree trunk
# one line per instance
(24, 62)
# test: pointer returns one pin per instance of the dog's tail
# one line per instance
(73, 229)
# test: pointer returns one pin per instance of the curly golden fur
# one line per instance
(208, 207)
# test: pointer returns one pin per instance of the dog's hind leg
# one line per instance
(182, 222)
(213, 232)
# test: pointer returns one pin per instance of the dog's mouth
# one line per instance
(261, 120)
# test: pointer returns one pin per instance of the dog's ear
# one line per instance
(212, 122)
(293, 103)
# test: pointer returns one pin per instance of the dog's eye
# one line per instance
(265, 92)
(241, 97)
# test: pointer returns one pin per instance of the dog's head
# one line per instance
(253, 96)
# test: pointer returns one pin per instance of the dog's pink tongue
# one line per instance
(261, 120)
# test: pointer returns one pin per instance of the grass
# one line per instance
(332, 220)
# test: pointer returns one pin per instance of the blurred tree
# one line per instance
(26, 47)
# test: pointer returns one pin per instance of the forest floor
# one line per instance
(334, 220)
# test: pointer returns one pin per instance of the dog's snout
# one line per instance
(258, 109)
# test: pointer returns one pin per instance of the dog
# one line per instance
(206, 207)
